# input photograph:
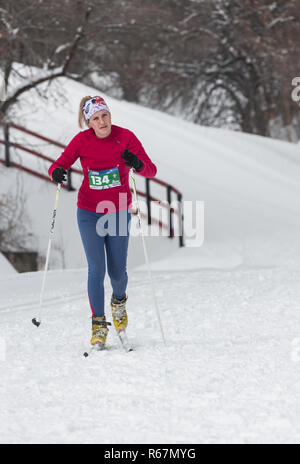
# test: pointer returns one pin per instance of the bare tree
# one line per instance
(32, 35)
(228, 63)
(215, 62)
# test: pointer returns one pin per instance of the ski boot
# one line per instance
(99, 331)
(118, 309)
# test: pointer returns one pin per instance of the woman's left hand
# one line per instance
(132, 160)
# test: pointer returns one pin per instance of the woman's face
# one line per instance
(101, 123)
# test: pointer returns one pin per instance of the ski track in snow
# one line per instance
(225, 376)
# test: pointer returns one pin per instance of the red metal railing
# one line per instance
(149, 198)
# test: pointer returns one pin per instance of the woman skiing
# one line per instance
(106, 152)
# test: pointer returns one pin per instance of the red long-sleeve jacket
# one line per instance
(97, 154)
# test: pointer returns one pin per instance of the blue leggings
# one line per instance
(109, 231)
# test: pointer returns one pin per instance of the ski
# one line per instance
(96, 347)
(123, 339)
(122, 336)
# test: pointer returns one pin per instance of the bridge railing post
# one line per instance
(181, 220)
(69, 180)
(148, 200)
(7, 145)
(171, 211)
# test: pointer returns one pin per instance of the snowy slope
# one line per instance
(227, 374)
(6, 268)
(230, 309)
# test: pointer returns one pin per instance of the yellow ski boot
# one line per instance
(119, 314)
(99, 331)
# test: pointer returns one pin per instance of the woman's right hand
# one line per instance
(59, 175)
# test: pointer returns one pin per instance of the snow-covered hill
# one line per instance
(230, 309)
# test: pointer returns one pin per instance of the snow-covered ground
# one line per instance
(5, 267)
(230, 309)
(229, 372)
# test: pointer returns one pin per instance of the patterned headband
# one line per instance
(93, 105)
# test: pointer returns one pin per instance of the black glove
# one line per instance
(59, 175)
(132, 160)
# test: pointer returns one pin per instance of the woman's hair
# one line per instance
(81, 118)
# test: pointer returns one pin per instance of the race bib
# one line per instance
(100, 180)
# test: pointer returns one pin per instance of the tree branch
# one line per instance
(53, 75)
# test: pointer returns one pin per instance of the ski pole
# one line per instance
(146, 257)
(37, 321)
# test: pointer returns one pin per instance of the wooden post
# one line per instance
(148, 200)
(6, 140)
(181, 220)
(171, 231)
(69, 180)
